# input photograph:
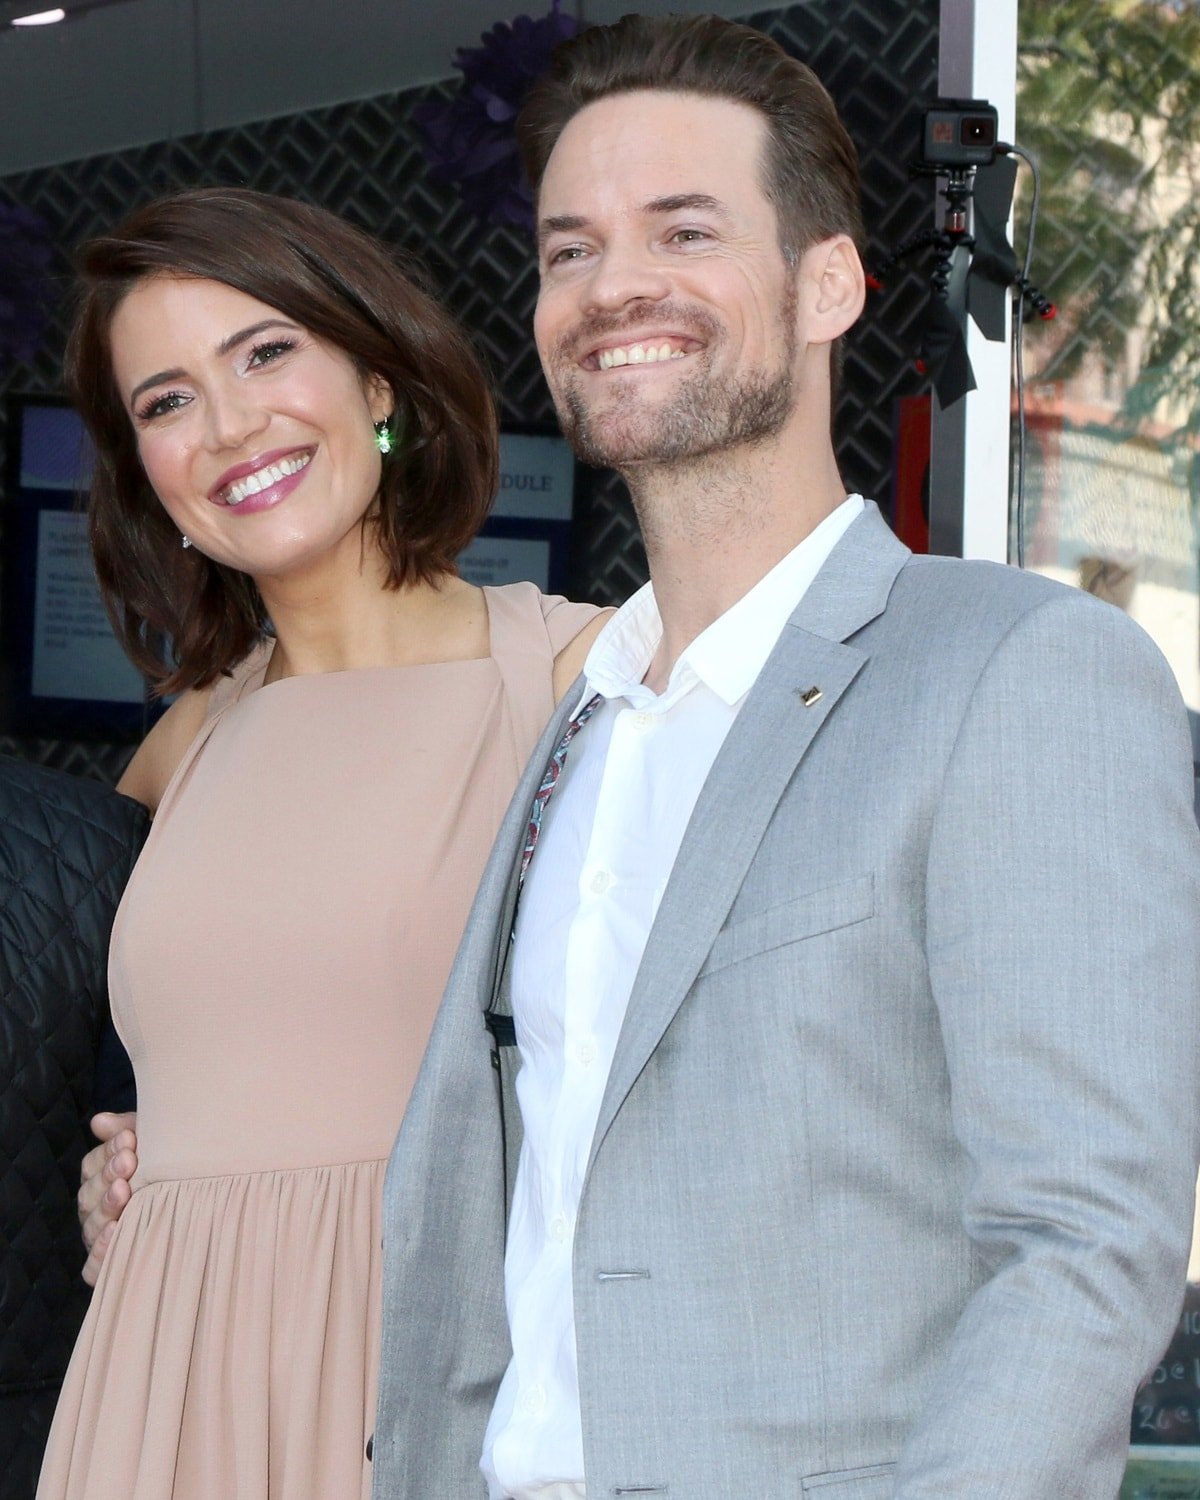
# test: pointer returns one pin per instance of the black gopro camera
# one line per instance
(960, 133)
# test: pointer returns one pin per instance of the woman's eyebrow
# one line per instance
(226, 346)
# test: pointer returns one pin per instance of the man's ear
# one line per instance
(835, 272)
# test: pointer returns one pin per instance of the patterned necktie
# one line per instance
(550, 779)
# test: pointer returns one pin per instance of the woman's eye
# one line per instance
(159, 406)
(265, 354)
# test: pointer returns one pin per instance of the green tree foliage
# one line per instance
(1109, 101)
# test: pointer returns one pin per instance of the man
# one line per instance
(854, 972)
(855, 967)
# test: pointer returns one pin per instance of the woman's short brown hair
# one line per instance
(810, 170)
(346, 288)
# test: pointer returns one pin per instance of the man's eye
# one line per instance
(689, 236)
(159, 406)
(265, 354)
(567, 253)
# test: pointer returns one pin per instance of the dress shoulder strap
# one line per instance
(524, 656)
(244, 678)
(528, 630)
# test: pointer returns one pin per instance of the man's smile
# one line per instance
(647, 350)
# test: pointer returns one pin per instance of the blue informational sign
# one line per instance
(63, 671)
(528, 535)
(53, 452)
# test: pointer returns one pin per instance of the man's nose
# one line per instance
(232, 418)
(624, 275)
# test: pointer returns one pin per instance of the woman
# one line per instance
(287, 430)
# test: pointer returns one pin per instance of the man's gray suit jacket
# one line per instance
(899, 1142)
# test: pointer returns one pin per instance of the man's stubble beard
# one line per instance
(705, 418)
(700, 421)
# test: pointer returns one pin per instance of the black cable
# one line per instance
(1019, 339)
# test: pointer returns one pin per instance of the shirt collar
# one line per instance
(727, 656)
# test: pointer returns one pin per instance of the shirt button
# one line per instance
(559, 1228)
(601, 881)
(586, 1051)
(534, 1400)
(644, 721)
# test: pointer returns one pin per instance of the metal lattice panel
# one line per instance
(364, 160)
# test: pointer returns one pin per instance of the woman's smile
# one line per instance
(262, 482)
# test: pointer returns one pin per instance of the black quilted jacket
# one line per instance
(66, 849)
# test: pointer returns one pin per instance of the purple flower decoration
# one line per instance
(469, 139)
(25, 254)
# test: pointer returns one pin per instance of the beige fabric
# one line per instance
(276, 965)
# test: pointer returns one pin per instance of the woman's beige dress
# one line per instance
(276, 965)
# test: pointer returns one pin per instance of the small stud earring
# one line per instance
(383, 436)
(185, 541)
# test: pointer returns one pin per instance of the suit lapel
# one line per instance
(775, 727)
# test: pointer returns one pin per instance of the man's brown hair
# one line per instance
(810, 167)
(345, 288)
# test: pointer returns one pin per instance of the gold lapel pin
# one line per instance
(811, 696)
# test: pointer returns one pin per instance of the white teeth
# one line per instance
(637, 354)
(268, 475)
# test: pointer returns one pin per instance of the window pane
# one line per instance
(1109, 102)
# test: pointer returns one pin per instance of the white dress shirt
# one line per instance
(607, 844)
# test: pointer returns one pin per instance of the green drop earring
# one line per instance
(383, 436)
